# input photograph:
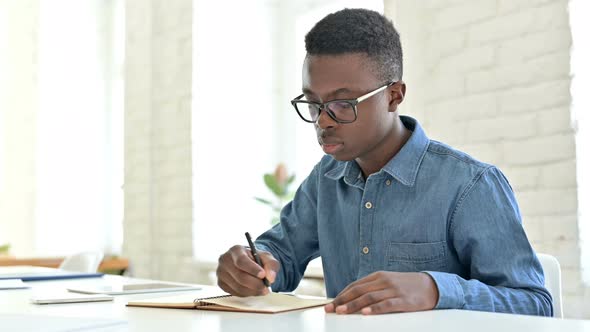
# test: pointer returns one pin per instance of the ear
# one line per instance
(397, 92)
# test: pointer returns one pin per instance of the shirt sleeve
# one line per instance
(294, 240)
(489, 240)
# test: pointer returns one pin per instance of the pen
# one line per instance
(256, 257)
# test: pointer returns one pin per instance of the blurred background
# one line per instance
(143, 128)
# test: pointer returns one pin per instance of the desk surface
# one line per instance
(152, 319)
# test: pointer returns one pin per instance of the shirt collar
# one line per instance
(403, 166)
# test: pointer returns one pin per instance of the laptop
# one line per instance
(133, 288)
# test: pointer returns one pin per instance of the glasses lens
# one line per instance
(342, 110)
(308, 111)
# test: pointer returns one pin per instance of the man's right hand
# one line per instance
(238, 273)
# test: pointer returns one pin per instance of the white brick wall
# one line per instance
(158, 195)
(464, 13)
(494, 81)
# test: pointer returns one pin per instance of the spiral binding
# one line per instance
(202, 302)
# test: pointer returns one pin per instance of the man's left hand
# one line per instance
(384, 292)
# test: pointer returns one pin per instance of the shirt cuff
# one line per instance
(450, 292)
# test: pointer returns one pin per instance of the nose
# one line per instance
(325, 121)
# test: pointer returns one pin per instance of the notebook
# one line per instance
(270, 304)
(38, 273)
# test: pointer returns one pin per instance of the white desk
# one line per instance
(175, 320)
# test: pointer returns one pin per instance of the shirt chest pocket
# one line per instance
(416, 257)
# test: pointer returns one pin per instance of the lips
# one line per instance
(330, 146)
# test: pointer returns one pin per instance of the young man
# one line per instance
(402, 222)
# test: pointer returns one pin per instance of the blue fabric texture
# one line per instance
(430, 209)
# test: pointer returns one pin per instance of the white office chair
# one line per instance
(86, 262)
(552, 281)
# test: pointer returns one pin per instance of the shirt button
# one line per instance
(388, 182)
(365, 250)
(368, 205)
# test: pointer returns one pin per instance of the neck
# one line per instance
(385, 150)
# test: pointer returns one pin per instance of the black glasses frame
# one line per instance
(324, 106)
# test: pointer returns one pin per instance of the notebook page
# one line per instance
(273, 302)
(185, 300)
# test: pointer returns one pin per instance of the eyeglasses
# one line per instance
(340, 110)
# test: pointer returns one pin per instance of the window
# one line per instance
(79, 166)
(247, 67)
(232, 115)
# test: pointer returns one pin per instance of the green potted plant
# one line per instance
(278, 183)
(4, 249)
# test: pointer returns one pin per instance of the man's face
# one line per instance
(349, 76)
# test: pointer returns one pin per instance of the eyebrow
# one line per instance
(307, 91)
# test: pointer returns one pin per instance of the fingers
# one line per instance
(226, 287)
(271, 265)
(371, 277)
(363, 301)
(357, 289)
(239, 283)
(384, 292)
(238, 273)
(329, 307)
(359, 297)
(243, 260)
(395, 304)
(365, 305)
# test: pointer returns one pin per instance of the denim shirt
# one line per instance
(431, 208)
